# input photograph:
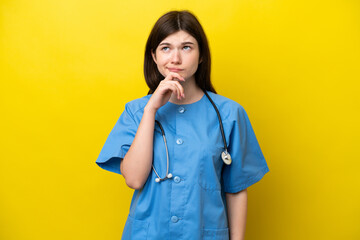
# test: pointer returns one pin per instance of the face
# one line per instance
(178, 52)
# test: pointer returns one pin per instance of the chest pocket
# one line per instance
(210, 168)
(215, 234)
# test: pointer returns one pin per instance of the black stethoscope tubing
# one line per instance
(220, 121)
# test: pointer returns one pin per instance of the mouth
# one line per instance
(175, 69)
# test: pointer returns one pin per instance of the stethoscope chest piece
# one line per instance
(226, 157)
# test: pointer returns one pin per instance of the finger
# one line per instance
(179, 77)
(179, 88)
(175, 76)
(173, 88)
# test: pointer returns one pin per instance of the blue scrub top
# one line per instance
(192, 204)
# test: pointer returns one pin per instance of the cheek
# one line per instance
(194, 68)
(161, 66)
(195, 59)
(160, 62)
(162, 59)
(194, 63)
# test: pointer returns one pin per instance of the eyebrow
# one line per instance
(184, 43)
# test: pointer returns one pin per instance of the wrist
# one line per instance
(150, 109)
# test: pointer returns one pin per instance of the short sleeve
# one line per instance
(118, 142)
(248, 163)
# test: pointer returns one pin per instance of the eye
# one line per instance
(164, 49)
(187, 47)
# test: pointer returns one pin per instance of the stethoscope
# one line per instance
(225, 155)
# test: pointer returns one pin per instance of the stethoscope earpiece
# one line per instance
(158, 179)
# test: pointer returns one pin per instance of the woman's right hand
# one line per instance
(164, 90)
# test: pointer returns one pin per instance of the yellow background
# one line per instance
(68, 67)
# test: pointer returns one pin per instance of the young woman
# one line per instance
(189, 153)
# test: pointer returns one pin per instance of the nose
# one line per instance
(176, 58)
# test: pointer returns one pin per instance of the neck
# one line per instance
(192, 92)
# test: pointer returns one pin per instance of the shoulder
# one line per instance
(228, 108)
(137, 105)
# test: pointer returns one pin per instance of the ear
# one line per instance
(153, 56)
(200, 61)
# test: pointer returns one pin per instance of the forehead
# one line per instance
(179, 37)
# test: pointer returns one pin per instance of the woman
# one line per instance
(190, 184)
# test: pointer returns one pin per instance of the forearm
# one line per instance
(237, 211)
(136, 165)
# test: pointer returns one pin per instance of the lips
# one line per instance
(175, 69)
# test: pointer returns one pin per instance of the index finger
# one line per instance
(175, 76)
